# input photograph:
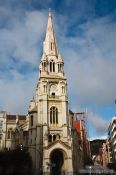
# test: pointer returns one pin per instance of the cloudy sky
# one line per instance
(86, 37)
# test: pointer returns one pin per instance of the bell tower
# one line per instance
(53, 135)
(51, 62)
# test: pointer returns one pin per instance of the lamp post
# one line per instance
(50, 166)
(90, 167)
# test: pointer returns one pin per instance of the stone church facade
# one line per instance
(50, 140)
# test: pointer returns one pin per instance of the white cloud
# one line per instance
(20, 44)
(100, 124)
(15, 94)
(90, 62)
(22, 40)
(89, 58)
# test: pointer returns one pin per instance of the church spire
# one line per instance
(50, 47)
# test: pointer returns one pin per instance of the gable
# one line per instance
(58, 144)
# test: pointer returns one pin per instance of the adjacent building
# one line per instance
(8, 124)
(79, 125)
(106, 155)
(2, 130)
(112, 137)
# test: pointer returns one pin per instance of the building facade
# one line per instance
(2, 130)
(112, 137)
(106, 156)
(8, 124)
(50, 140)
(80, 122)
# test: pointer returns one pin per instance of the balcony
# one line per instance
(53, 97)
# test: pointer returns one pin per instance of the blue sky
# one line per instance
(85, 31)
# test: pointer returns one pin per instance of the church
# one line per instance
(54, 136)
(50, 140)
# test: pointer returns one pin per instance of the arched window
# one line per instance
(50, 138)
(52, 66)
(44, 88)
(43, 66)
(63, 89)
(9, 133)
(57, 136)
(53, 115)
(52, 45)
(31, 122)
(8, 136)
(60, 67)
(53, 94)
(54, 137)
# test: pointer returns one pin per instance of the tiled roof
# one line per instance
(22, 117)
(11, 117)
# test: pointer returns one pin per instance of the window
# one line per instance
(52, 46)
(43, 66)
(52, 66)
(50, 138)
(60, 67)
(1, 123)
(58, 136)
(31, 120)
(63, 89)
(44, 88)
(53, 115)
(9, 134)
(54, 137)
(53, 94)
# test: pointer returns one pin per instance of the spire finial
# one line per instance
(50, 12)
(50, 47)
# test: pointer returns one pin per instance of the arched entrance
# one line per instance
(57, 161)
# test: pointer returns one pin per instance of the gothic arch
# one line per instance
(50, 138)
(9, 133)
(60, 67)
(52, 65)
(44, 65)
(58, 160)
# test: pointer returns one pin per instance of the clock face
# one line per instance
(53, 87)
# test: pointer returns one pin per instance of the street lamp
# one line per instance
(90, 167)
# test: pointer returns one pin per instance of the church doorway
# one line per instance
(57, 161)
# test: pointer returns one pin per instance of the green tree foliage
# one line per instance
(88, 161)
(16, 162)
(95, 145)
(112, 165)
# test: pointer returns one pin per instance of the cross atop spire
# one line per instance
(50, 47)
